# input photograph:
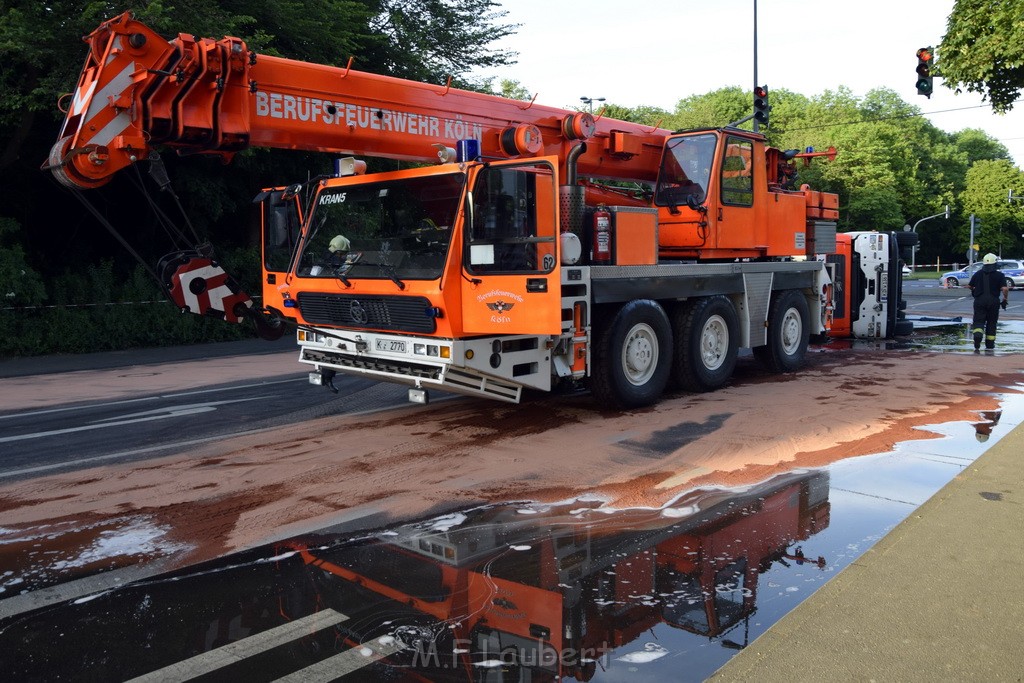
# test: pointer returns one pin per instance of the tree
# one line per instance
(987, 196)
(983, 50)
(429, 40)
(978, 145)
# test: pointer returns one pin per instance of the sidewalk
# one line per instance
(938, 599)
(104, 360)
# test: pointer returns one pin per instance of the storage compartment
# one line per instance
(634, 236)
(821, 205)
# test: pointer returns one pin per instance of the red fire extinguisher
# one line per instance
(601, 249)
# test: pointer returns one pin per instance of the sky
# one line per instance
(657, 52)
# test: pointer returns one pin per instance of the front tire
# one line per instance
(706, 336)
(788, 333)
(632, 357)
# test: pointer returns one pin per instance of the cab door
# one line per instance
(511, 270)
(281, 223)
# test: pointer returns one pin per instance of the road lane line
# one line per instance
(76, 464)
(239, 650)
(345, 662)
(148, 416)
(149, 398)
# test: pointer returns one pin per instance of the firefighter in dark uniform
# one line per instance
(986, 285)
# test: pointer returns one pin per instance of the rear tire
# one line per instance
(705, 332)
(632, 356)
(788, 333)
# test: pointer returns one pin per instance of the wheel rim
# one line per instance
(714, 342)
(791, 331)
(640, 354)
(952, 282)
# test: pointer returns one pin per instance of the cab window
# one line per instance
(737, 172)
(512, 225)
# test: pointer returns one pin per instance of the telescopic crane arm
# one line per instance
(198, 95)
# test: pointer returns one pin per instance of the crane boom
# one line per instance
(199, 95)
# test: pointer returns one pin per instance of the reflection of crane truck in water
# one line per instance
(507, 265)
(544, 596)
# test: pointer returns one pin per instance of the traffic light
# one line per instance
(761, 106)
(925, 56)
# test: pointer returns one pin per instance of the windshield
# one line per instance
(398, 229)
(685, 169)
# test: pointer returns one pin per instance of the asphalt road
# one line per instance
(76, 435)
(930, 299)
(83, 434)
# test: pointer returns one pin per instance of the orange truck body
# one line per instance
(510, 263)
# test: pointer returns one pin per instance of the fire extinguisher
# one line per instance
(601, 248)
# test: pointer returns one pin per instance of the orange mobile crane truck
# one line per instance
(505, 260)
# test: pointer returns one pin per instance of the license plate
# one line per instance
(884, 294)
(390, 345)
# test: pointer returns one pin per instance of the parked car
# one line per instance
(1013, 269)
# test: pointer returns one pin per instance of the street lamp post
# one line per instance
(913, 249)
(589, 101)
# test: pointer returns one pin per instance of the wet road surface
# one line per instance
(520, 592)
(506, 592)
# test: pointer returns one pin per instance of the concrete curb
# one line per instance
(937, 599)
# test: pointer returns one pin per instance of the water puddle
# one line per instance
(516, 592)
(941, 335)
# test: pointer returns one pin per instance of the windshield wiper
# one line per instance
(390, 272)
(341, 276)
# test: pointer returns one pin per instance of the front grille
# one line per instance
(386, 313)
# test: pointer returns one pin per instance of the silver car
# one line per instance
(1013, 270)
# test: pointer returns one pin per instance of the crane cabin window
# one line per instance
(391, 229)
(512, 225)
(737, 172)
(685, 170)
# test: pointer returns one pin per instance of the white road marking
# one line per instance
(239, 650)
(147, 416)
(344, 662)
(198, 392)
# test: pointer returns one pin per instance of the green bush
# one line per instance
(96, 309)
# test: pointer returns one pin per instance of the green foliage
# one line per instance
(20, 284)
(987, 196)
(429, 40)
(983, 50)
(96, 308)
(977, 145)
(718, 108)
(507, 88)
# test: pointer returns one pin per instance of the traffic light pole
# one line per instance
(755, 126)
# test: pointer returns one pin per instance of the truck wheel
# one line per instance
(788, 333)
(632, 356)
(706, 336)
